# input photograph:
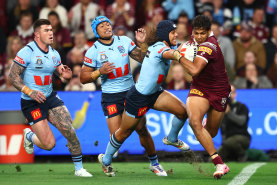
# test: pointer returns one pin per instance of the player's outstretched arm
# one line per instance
(139, 53)
(14, 77)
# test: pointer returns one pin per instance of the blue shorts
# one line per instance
(35, 112)
(113, 103)
(138, 104)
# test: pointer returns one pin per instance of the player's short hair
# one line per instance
(40, 22)
(201, 22)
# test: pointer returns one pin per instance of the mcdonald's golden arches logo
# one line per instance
(142, 111)
(36, 114)
(112, 109)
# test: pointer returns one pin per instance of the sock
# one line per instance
(153, 160)
(112, 147)
(216, 159)
(176, 126)
(77, 160)
(30, 136)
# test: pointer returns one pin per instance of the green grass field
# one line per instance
(129, 173)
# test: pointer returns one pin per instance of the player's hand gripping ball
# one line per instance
(189, 51)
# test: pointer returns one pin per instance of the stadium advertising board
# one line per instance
(94, 135)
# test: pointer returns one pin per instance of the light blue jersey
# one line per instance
(154, 69)
(117, 52)
(39, 67)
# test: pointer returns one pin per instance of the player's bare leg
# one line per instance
(61, 119)
(147, 142)
(168, 102)
(214, 119)
(197, 107)
(41, 135)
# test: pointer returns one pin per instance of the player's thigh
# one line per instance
(141, 128)
(43, 132)
(61, 119)
(168, 102)
(214, 119)
(197, 107)
(114, 123)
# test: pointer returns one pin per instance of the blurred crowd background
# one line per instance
(246, 30)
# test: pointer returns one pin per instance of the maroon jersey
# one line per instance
(212, 82)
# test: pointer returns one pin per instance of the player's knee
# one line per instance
(142, 131)
(195, 124)
(50, 146)
(213, 133)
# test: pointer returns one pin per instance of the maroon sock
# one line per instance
(217, 160)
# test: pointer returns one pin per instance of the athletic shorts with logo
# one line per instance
(35, 112)
(138, 104)
(113, 103)
(218, 102)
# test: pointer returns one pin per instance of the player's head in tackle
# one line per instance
(166, 31)
(102, 28)
(43, 32)
(201, 28)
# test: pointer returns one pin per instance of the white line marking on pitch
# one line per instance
(245, 174)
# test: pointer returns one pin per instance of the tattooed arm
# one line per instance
(137, 54)
(14, 77)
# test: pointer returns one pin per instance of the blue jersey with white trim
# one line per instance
(117, 52)
(154, 69)
(39, 67)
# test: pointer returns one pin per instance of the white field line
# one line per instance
(245, 174)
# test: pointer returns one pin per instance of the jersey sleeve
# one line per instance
(23, 57)
(130, 44)
(160, 49)
(90, 59)
(205, 52)
(57, 60)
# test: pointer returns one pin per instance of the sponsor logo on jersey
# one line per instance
(142, 111)
(121, 49)
(88, 60)
(205, 49)
(36, 114)
(112, 109)
(195, 91)
(19, 60)
(147, 53)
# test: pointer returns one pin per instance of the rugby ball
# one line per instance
(189, 51)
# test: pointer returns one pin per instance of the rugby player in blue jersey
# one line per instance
(147, 93)
(108, 58)
(32, 73)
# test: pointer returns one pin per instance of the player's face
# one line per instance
(46, 34)
(200, 35)
(172, 37)
(105, 30)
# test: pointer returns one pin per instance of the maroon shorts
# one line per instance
(218, 100)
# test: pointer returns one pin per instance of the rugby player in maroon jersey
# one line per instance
(210, 88)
